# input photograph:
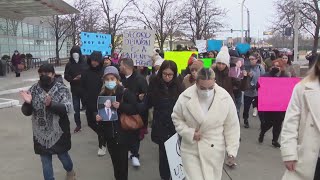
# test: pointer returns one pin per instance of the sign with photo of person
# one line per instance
(105, 109)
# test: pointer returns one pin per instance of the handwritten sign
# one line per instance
(95, 42)
(138, 45)
(201, 45)
(214, 45)
(275, 99)
(172, 146)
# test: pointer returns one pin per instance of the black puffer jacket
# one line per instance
(163, 96)
(91, 81)
(74, 69)
(128, 105)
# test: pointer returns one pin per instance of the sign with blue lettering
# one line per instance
(214, 45)
(172, 147)
(138, 45)
(95, 42)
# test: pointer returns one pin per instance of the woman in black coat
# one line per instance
(118, 140)
(164, 90)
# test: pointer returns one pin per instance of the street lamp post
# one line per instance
(296, 30)
(242, 5)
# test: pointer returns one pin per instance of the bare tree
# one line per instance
(87, 20)
(115, 22)
(309, 20)
(61, 29)
(162, 16)
(203, 18)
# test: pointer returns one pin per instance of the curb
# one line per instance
(6, 103)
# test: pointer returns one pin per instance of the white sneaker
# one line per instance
(129, 155)
(255, 112)
(135, 162)
(102, 151)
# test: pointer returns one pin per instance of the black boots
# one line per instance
(246, 124)
(261, 138)
(276, 144)
(17, 74)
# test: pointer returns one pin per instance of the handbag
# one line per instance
(130, 122)
(20, 66)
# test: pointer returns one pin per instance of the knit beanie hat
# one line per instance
(111, 70)
(223, 56)
(96, 56)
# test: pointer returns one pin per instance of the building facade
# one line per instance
(32, 35)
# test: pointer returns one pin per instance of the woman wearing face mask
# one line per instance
(49, 103)
(16, 60)
(206, 118)
(273, 119)
(163, 92)
(190, 79)
(289, 68)
(118, 140)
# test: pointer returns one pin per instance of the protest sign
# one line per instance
(179, 57)
(201, 45)
(138, 45)
(95, 42)
(207, 62)
(214, 45)
(243, 48)
(172, 146)
(275, 93)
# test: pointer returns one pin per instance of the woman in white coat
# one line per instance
(206, 118)
(300, 138)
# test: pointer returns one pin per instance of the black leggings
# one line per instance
(96, 127)
(317, 173)
(271, 120)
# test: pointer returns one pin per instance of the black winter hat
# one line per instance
(46, 68)
(96, 56)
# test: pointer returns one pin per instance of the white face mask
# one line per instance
(76, 57)
(205, 93)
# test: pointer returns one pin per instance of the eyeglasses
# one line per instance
(167, 74)
(194, 69)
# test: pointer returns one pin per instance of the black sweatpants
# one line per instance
(247, 101)
(269, 120)
(96, 127)
(119, 157)
(163, 163)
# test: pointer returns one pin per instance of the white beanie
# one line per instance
(158, 61)
(223, 56)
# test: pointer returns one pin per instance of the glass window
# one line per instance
(3, 27)
(4, 41)
(30, 27)
(20, 48)
(36, 31)
(19, 41)
(26, 48)
(19, 30)
(25, 31)
(12, 41)
(41, 32)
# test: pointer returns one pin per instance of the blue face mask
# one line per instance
(110, 84)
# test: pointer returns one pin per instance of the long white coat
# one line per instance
(220, 131)
(300, 138)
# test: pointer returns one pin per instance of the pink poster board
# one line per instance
(275, 93)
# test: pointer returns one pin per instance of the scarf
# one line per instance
(45, 124)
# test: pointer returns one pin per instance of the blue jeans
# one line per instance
(47, 164)
(238, 102)
(76, 106)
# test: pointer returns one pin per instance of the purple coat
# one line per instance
(16, 59)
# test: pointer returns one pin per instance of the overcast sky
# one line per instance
(261, 14)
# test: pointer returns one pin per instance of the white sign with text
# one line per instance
(138, 45)
(172, 146)
(201, 45)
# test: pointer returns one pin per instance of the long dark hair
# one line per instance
(171, 65)
(314, 72)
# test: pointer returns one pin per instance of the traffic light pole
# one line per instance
(242, 5)
(296, 30)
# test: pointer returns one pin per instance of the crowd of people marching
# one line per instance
(201, 104)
